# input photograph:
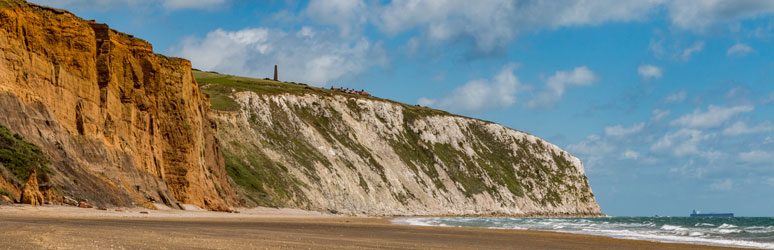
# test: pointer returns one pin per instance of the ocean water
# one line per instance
(747, 232)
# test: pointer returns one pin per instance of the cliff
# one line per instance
(290, 145)
(102, 118)
(122, 126)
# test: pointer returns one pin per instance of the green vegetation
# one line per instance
(520, 172)
(21, 157)
(8, 3)
(220, 87)
(494, 160)
(265, 182)
(6, 193)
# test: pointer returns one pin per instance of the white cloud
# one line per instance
(482, 93)
(695, 48)
(659, 114)
(657, 46)
(347, 15)
(676, 97)
(111, 4)
(736, 92)
(757, 156)
(680, 143)
(593, 145)
(739, 49)
(722, 185)
(630, 155)
(494, 24)
(619, 130)
(191, 4)
(713, 155)
(700, 15)
(309, 56)
(741, 128)
(648, 71)
(713, 117)
(486, 22)
(558, 83)
(689, 170)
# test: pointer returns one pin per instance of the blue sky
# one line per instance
(670, 104)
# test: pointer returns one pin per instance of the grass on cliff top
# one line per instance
(7, 3)
(23, 3)
(220, 87)
(21, 157)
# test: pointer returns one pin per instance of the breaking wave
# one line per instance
(747, 232)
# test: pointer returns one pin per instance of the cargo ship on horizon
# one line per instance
(696, 213)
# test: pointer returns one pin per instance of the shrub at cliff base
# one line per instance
(21, 157)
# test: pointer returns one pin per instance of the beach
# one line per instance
(54, 227)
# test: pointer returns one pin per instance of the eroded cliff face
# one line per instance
(125, 127)
(122, 125)
(355, 155)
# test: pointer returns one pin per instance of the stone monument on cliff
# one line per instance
(275, 73)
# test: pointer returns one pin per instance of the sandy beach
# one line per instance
(53, 227)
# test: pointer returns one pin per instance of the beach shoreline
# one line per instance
(48, 227)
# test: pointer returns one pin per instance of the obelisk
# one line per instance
(275, 73)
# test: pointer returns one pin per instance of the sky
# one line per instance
(669, 103)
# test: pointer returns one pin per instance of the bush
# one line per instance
(6, 193)
(21, 157)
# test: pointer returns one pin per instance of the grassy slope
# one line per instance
(268, 183)
(263, 181)
(220, 86)
(20, 157)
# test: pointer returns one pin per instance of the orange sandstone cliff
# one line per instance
(121, 125)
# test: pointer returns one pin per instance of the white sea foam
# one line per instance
(414, 222)
(625, 234)
(759, 229)
(672, 228)
(700, 233)
(729, 231)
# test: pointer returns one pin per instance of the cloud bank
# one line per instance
(647, 71)
(307, 55)
(481, 94)
(558, 83)
(739, 49)
(713, 117)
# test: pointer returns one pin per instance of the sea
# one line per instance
(744, 232)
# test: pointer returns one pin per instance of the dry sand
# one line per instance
(56, 227)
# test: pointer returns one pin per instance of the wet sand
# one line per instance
(74, 228)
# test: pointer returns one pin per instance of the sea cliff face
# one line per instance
(122, 125)
(355, 155)
(113, 123)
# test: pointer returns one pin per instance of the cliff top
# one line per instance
(220, 86)
(50, 12)
(6, 4)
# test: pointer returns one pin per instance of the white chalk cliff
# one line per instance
(355, 155)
